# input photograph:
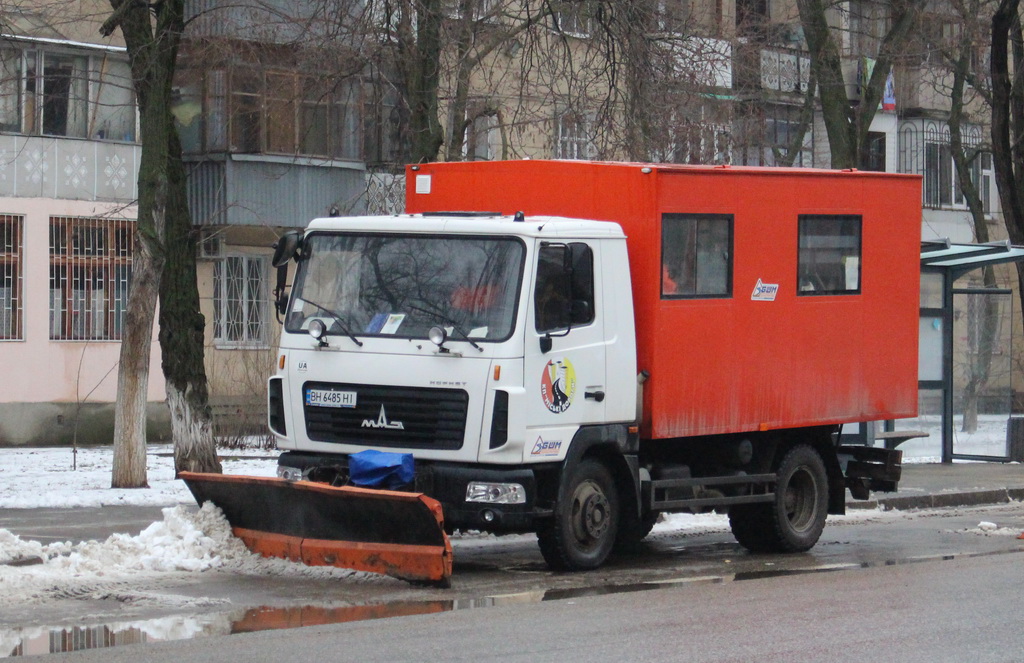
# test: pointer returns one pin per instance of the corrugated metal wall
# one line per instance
(271, 192)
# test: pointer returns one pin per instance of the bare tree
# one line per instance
(152, 35)
(847, 121)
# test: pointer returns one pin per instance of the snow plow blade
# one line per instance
(382, 531)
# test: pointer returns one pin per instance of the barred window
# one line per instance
(90, 272)
(240, 301)
(10, 276)
(573, 140)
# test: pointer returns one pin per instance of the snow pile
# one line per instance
(184, 542)
(986, 528)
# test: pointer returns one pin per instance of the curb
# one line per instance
(941, 500)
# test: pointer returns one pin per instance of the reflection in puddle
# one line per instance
(54, 640)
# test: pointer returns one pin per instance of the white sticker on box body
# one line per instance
(764, 292)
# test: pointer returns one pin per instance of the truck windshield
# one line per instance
(402, 285)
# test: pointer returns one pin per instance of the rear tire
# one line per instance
(583, 530)
(795, 520)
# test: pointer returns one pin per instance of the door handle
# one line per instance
(596, 395)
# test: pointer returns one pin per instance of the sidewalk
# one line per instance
(934, 485)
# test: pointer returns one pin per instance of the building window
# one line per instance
(829, 251)
(576, 19)
(256, 111)
(65, 94)
(876, 152)
(483, 138)
(573, 139)
(696, 255)
(766, 134)
(240, 301)
(10, 276)
(90, 273)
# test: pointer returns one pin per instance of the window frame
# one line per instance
(96, 254)
(12, 257)
(222, 305)
(33, 72)
(572, 139)
(666, 276)
(800, 263)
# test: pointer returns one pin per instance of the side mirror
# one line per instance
(286, 247)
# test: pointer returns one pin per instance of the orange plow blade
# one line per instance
(382, 531)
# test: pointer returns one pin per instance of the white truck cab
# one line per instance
(483, 345)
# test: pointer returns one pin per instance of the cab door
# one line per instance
(565, 364)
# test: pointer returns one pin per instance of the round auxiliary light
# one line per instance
(437, 335)
(317, 329)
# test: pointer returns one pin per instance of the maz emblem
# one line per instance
(382, 422)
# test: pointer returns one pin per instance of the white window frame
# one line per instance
(479, 143)
(244, 300)
(100, 82)
(576, 19)
(12, 285)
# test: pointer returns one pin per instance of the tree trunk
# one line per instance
(1008, 124)
(847, 122)
(181, 331)
(427, 134)
(129, 463)
(152, 51)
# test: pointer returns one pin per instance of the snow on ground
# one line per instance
(60, 477)
(988, 440)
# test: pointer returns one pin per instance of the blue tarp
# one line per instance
(380, 469)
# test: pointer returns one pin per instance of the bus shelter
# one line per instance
(966, 336)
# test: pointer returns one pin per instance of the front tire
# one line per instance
(582, 532)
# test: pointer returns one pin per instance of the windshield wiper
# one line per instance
(454, 324)
(337, 319)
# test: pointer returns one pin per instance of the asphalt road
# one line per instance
(964, 609)
(879, 586)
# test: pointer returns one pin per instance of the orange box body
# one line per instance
(732, 365)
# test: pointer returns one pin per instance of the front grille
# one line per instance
(386, 416)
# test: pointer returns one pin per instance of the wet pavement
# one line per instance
(501, 571)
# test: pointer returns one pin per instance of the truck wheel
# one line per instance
(582, 532)
(751, 525)
(794, 521)
(633, 529)
(801, 500)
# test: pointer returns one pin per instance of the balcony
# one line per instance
(68, 168)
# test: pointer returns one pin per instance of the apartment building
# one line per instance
(286, 114)
(68, 161)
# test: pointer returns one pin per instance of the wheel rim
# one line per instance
(801, 499)
(590, 514)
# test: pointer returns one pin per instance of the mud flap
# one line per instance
(382, 531)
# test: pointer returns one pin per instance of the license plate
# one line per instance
(329, 398)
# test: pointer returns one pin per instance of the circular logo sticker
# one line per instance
(558, 385)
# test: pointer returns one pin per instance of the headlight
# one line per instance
(495, 493)
(317, 329)
(437, 335)
(289, 473)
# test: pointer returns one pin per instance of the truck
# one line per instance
(574, 348)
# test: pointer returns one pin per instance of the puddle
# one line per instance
(53, 640)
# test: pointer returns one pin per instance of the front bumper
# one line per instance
(446, 483)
